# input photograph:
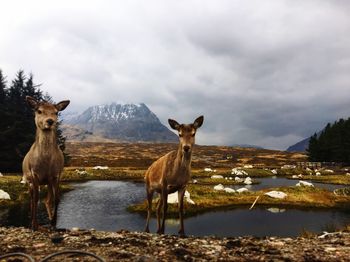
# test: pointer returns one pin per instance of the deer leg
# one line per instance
(34, 197)
(181, 193)
(149, 208)
(56, 195)
(165, 208)
(159, 212)
(48, 202)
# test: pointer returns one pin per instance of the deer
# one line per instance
(44, 162)
(171, 173)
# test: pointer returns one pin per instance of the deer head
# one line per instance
(46, 113)
(187, 133)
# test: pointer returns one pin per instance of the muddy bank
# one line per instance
(137, 246)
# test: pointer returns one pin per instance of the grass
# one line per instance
(19, 192)
(207, 199)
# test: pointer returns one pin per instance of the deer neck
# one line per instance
(183, 160)
(46, 139)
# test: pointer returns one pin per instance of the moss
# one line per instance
(207, 199)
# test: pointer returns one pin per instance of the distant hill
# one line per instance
(122, 122)
(300, 146)
(246, 146)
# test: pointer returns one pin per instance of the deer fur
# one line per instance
(171, 173)
(44, 162)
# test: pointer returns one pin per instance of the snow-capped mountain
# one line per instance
(128, 122)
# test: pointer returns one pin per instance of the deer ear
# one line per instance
(32, 102)
(198, 122)
(174, 125)
(62, 105)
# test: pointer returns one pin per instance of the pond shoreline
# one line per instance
(139, 246)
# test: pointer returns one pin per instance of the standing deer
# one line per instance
(171, 173)
(44, 162)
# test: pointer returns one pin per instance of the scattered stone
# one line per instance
(208, 169)
(100, 168)
(248, 181)
(237, 179)
(348, 174)
(4, 195)
(195, 181)
(242, 190)
(248, 166)
(238, 172)
(274, 171)
(219, 187)
(300, 175)
(294, 176)
(276, 194)
(318, 173)
(304, 183)
(1, 174)
(173, 198)
(328, 171)
(216, 177)
(229, 190)
(288, 167)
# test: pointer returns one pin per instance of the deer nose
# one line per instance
(186, 148)
(50, 122)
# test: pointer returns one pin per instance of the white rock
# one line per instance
(248, 181)
(276, 194)
(347, 174)
(4, 195)
(195, 181)
(100, 167)
(1, 174)
(229, 190)
(219, 187)
(216, 177)
(328, 171)
(214, 170)
(274, 171)
(345, 169)
(300, 175)
(238, 172)
(208, 169)
(308, 169)
(237, 179)
(248, 166)
(288, 167)
(318, 173)
(226, 178)
(242, 190)
(294, 176)
(83, 172)
(304, 183)
(173, 198)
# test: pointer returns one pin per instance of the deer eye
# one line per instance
(39, 111)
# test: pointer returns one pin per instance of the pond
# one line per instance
(102, 205)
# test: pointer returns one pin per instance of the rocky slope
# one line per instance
(124, 122)
(137, 246)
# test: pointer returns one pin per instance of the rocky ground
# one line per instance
(137, 246)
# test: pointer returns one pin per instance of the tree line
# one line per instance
(17, 127)
(332, 144)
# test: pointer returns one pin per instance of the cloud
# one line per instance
(261, 72)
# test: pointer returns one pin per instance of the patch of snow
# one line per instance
(4, 195)
(304, 183)
(276, 194)
(219, 187)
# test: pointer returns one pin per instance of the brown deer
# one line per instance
(44, 162)
(171, 173)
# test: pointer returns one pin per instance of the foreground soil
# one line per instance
(137, 246)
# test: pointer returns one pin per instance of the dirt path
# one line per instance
(136, 246)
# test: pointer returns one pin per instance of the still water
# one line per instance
(102, 205)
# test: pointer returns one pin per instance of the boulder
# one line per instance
(276, 210)
(274, 171)
(242, 190)
(318, 173)
(1, 174)
(294, 176)
(219, 187)
(229, 190)
(100, 167)
(208, 169)
(248, 181)
(237, 179)
(4, 195)
(173, 198)
(276, 194)
(304, 183)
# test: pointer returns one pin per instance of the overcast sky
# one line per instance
(268, 73)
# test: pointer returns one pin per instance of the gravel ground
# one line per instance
(138, 246)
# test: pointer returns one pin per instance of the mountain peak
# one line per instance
(130, 122)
